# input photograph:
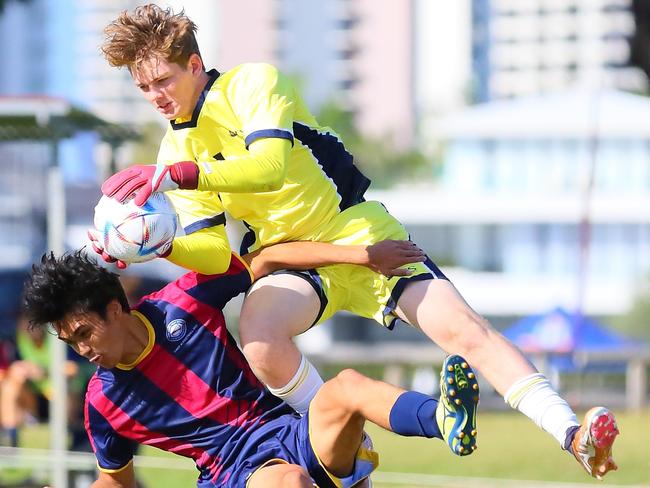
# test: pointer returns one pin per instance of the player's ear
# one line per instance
(114, 309)
(195, 64)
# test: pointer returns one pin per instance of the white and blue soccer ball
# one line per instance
(136, 234)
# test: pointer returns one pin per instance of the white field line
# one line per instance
(29, 458)
(414, 480)
(37, 458)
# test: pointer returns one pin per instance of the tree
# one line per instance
(640, 41)
(636, 322)
(145, 150)
(384, 164)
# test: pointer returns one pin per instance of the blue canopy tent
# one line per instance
(559, 333)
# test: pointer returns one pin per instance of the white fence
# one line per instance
(397, 358)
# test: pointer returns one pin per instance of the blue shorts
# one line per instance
(286, 440)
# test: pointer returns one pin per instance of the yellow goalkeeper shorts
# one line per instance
(355, 288)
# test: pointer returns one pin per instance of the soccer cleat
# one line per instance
(592, 443)
(456, 411)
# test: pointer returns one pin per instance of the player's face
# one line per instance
(171, 88)
(98, 340)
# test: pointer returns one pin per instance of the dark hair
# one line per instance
(149, 31)
(71, 283)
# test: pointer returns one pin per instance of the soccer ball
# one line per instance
(136, 234)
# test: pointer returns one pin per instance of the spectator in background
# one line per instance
(6, 353)
(25, 386)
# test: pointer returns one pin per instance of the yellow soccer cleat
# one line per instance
(456, 411)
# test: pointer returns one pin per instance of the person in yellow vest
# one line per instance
(26, 388)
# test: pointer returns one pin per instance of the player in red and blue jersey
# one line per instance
(195, 394)
(171, 376)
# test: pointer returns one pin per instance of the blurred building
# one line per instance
(375, 61)
(526, 47)
(348, 51)
(55, 51)
(514, 198)
(509, 203)
(512, 220)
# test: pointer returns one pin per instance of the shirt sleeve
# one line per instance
(217, 290)
(113, 452)
(204, 248)
(197, 209)
(206, 251)
(262, 99)
(263, 169)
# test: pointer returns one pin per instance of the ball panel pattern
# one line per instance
(136, 234)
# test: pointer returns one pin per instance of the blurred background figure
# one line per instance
(25, 389)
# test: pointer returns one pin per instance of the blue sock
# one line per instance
(570, 434)
(414, 414)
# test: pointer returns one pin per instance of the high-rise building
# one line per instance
(523, 47)
(348, 51)
(24, 56)
(55, 50)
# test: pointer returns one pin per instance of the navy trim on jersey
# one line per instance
(248, 240)
(270, 133)
(205, 223)
(401, 285)
(337, 163)
(217, 293)
(213, 74)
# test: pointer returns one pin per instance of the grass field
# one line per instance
(510, 447)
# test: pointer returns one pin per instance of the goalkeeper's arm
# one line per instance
(262, 169)
(206, 251)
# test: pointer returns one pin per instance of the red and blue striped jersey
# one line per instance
(191, 392)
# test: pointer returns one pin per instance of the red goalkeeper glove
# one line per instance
(142, 180)
(95, 241)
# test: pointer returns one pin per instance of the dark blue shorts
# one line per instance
(286, 440)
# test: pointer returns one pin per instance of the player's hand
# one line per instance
(140, 181)
(95, 242)
(387, 257)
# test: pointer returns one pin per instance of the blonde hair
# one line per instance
(149, 31)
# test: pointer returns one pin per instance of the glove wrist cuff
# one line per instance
(185, 174)
(168, 251)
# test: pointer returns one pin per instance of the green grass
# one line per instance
(510, 447)
(165, 478)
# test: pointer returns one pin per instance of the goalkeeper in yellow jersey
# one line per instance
(243, 142)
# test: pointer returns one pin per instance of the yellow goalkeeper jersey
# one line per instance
(249, 103)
